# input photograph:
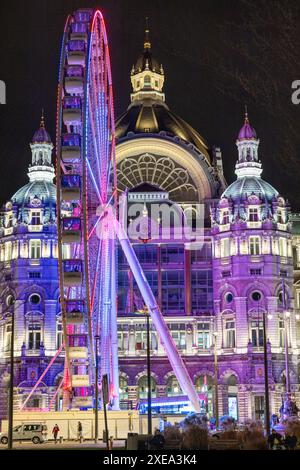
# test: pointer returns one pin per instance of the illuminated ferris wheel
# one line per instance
(86, 186)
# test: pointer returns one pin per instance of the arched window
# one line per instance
(143, 387)
(205, 386)
(232, 396)
(147, 81)
(123, 388)
(173, 387)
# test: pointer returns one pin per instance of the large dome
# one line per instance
(150, 116)
(247, 185)
(43, 190)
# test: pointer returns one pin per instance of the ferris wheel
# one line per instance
(87, 220)
(86, 186)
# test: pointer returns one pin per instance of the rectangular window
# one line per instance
(59, 334)
(281, 333)
(225, 247)
(35, 249)
(34, 335)
(8, 251)
(255, 272)
(36, 218)
(34, 275)
(230, 334)
(7, 337)
(282, 247)
(253, 214)
(257, 333)
(254, 245)
(225, 218)
(226, 273)
(204, 337)
(259, 407)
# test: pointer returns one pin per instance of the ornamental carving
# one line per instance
(162, 172)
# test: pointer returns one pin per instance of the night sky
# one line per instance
(217, 56)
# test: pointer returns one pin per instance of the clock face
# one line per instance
(253, 199)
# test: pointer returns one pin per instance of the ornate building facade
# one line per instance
(213, 297)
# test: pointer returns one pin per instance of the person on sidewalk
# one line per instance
(55, 432)
(79, 431)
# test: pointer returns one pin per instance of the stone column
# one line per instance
(187, 280)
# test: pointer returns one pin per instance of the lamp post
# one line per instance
(11, 382)
(216, 379)
(149, 374)
(267, 400)
(97, 339)
(286, 316)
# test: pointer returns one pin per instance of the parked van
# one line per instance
(35, 432)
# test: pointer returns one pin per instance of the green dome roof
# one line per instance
(247, 185)
(44, 190)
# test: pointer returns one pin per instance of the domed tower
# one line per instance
(163, 162)
(29, 278)
(253, 276)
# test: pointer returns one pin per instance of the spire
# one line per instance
(247, 144)
(42, 123)
(41, 167)
(246, 131)
(147, 43)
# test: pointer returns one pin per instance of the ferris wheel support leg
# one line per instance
(114, 332)
(176, 361)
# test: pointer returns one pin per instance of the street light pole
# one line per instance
(96, 388)
(149, 375)
(11, 383)
(216, 380)
(267, 401)
(286, 315)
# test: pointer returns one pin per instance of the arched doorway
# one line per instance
(232, 396)
(205, 385)
(143, 387)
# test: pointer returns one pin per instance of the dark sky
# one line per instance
(217, 55)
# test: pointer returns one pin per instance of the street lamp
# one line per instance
(267, 400)
(11, 382)
(145, 311)
(97, 339)
(216, 379)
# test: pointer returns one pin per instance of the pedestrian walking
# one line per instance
(79, 431)
(290, 441)
(55, 432)
(275, 440)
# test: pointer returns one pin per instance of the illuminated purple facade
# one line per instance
(220, 290)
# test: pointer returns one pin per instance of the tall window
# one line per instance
(281, 331)
(230, 333)
(225, 217)
(254, 245)
(282, 247)
(123, 338)
(8, 251)
(225, 247)
(123, 388)
(35, 249)
(257, 333)
(59, 333)
(178, 334)
(36, 218)
(34, 335)
(253, 214)
(7, 337)
(143, 387)
(204, 338)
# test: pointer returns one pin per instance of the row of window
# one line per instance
(35, 249)
(254, 245)
(253, 215)
(178, 332)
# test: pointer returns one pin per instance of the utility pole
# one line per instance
(267, 401)
(11, 382)
(216, 380)
(97, 338)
